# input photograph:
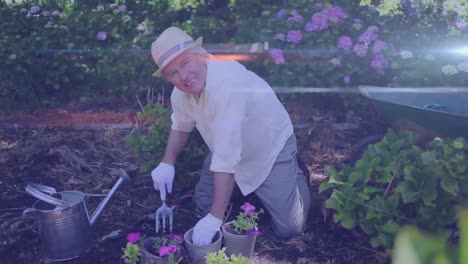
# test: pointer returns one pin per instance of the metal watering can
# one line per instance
(63, 221)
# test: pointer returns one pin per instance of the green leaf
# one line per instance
(390, 227)
(458, 143)
(325, 186)
(428, 157)
(408, 173)
(450, 185)
(363, 195)
(367, 228)
(408, 192)
(385, 175)
(371, 189)
(332, 203)
(347, 221)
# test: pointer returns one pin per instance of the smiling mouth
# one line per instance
(190, 83)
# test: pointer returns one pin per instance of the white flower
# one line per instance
(463, 66)
(335, 61)
(100, 8)
(141, 27)
(449, 69)
(406, 54)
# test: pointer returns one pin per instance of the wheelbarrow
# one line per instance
(428, 112)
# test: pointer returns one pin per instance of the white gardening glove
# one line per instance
(163, 176)
(205, 230)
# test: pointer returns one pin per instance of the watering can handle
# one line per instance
(43, 192)
(24, 215)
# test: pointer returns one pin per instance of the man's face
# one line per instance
(187, 72)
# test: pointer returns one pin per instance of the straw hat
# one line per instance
(172, 42)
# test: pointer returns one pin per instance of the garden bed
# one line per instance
(87, 158)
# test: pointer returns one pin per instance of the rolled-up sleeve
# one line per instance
(229, 114)
(181, 119)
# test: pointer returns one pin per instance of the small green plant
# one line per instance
(132, 251)
(246, 221)
(397, 183)
(220, 257)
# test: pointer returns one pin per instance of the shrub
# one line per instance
(396, 182)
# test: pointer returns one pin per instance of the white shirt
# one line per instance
(241, 120)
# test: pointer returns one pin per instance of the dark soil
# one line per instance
(67, 151)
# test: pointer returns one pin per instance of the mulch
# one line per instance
(71, 154)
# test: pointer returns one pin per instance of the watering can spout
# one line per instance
(123, 177)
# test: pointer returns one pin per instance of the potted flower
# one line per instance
(220, 257)
(240, 234)
(164, 249)
(132, 250)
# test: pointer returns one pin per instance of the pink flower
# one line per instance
(167, 250)
(177, 237)
(253, 232)
(248, 209)
(133, 237)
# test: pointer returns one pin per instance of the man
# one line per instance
(246, 128)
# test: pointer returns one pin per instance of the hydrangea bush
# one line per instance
(344, 44)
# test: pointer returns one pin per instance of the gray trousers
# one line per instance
(284, 193)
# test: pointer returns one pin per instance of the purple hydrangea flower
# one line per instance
(371, 34)
(280, 36)
(344, 42)
(295, 17)
(55, 13)
(101, 35)
(460, 25)
(277, 56)
(335, 14)
(46, 13)
(319, 22)
(122, 8)
(294, 36)
(379, 63)
(360, 49)
(34, 9)
(379, 46)
(347, 80)
(281, 14)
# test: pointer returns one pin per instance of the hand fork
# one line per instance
(162, 212)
